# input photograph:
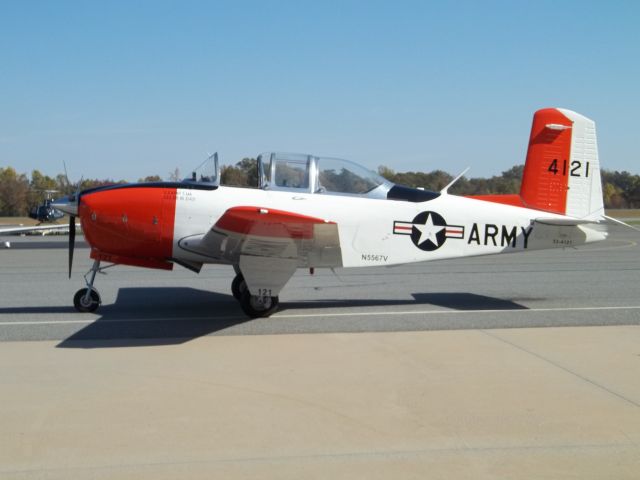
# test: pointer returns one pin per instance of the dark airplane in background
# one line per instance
(44, 212)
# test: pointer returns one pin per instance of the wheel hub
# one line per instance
(260, 303)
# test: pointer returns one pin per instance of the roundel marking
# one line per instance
(429, 231)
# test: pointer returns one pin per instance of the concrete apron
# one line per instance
(519, 403)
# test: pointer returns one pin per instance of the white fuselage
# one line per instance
(389, 232)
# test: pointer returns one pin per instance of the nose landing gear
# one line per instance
(88, 299)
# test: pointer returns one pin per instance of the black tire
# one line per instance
(258, 307)
(238, 286)
(83, 306)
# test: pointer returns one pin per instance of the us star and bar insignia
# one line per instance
(428, 230)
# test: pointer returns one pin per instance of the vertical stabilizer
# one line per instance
(562, 171)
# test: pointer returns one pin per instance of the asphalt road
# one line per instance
(597, 284)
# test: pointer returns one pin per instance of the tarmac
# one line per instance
(518, 403)
(428, 371)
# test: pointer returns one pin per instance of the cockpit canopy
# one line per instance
(309, 174)
(301, 173)
(207, 173)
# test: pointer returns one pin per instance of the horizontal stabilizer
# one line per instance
(564, 222)
(620, 222)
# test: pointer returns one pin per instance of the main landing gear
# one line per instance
(254, 306)
(88, 299)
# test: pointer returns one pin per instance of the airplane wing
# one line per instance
(274, 234)
(35, 228)
(269, 245)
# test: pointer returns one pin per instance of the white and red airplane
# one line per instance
(314, 212)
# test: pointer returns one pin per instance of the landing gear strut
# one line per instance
(88, 299)
(254, 306)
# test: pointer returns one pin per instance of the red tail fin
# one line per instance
(545, 180)
(562, 171)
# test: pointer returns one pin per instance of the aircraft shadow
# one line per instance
(157, 316)
(452, 300)
(168, 316)
(467, 301)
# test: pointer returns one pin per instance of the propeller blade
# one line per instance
(72, 240)
(66, 176)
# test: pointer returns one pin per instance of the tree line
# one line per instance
(619, 189)
(20, 192)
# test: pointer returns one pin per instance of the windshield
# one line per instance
(342, 176)
(206, 172)
(295, 172)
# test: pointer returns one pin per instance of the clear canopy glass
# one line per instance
(311, 174)
(207, 172)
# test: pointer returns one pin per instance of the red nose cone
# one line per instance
(132, 221)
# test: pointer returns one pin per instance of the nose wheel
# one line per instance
(88, 299)
(254, 306)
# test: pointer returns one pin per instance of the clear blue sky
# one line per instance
(127, 89)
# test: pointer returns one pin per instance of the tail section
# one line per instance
(562, 171)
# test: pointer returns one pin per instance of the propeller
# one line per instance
(72, 240)
(72, 223)
(70, 205)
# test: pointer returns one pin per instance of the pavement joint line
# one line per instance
(561, 367)
(334, 456)
(445, 312)
(329, 314)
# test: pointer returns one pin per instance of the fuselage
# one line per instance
(148, 225)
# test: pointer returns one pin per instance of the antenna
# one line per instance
(445, 190)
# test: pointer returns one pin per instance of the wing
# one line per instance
(38, 228)
(312, 241)
(268, 245)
